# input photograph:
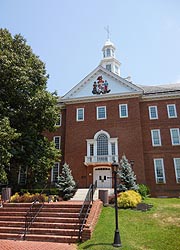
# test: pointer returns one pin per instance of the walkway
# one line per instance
(34, 245)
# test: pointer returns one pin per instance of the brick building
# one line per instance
(106, 115)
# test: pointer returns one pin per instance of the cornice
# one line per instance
(103, 98)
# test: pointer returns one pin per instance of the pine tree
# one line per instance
(66, 183)
(127, 176)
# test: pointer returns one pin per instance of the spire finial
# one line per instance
(108, 32)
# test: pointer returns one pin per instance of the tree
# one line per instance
(7, 136)
(29, 107)
(66, 183)
(127, 176)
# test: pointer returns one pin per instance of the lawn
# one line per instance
(156, 229)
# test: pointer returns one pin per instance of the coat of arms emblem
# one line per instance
(100, 86)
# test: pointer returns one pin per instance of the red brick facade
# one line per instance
(89, 145)
(134, 139)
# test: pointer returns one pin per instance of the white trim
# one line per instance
(77, 115)
(97, 113)
(150, 113)
(175, 113)
(172, 138)
(120, 111)
(59, 120)
(153, 138)
(52, 171)
(59, 137)
(159, 179)
(175, 168)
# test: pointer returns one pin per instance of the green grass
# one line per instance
(156, 229)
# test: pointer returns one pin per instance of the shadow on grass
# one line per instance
(98, 244)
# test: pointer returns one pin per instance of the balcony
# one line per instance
(101, 158)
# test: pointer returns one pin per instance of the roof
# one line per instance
(157, 89)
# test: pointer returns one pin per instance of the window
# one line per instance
(116, 69)
(108, 52)
(171, 109)
(123, 110)
(159, 170)
(153, 114)
(80, 114)
(102, 145)
(177, 169)
(101, 112)
(175, 138)
(22, 176)
(91, 149)
(57, 141)
(156, 137)
(108, 67)
(58, 123)
(55, 172)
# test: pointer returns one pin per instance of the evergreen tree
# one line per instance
(127, 176)
(66, 183)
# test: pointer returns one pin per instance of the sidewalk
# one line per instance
(34, 245)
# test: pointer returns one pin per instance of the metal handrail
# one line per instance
(86, 207)
(32, 213)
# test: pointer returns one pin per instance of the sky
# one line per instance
(68, 36)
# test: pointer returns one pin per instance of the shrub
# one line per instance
(143, 190)
(128, 199)
(27, 197)
(111, 199)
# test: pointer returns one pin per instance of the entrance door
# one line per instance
(103, 176)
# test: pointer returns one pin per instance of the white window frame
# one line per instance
(120, 110)
(79, 117)
(22, 175)
(168, 110)
(98, 112)
(154, 112)
(172, 138)
(112, 154)
(177, 169)
(59, 122)
(53, 177)
(59, 143)
(162, 179)
(154, 144)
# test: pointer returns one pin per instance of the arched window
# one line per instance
(102, 144)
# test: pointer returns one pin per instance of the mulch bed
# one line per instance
(143, 207)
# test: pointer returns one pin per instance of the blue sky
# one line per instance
(68, 36)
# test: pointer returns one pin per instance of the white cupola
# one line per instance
(109, 61)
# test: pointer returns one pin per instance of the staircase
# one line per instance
(57, 222)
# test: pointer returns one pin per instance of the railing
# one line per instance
(101, 158)
(32, 213)
(86, 207)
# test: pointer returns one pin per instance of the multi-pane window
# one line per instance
(108, 67)
(177, 169)
(175, 137)
(108, 52)
(22, 177)
(101, 112)
(57, 141)
(123, 110)
(102, 145)
(159, 170)
(153, 113)
(80, 114)
(171, 109)
(55, 172)
(91, 149)
(156, 137)
(58, 123)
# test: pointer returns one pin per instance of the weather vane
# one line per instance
(108, 32)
